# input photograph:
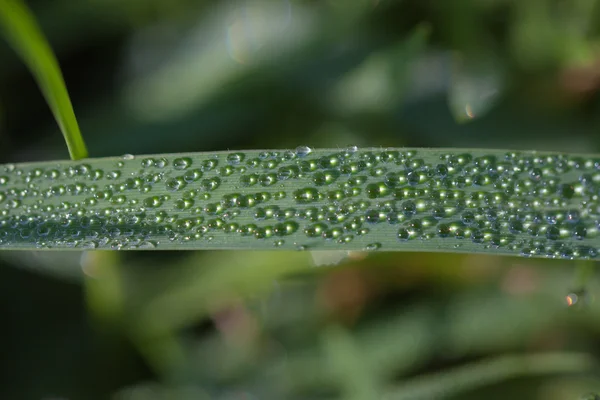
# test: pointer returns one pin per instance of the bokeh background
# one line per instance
(151, 76)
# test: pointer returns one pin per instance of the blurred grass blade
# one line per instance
(476, 375)
(19, 27)
(342, 352)
(450, 200)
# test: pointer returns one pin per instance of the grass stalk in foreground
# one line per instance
(23, 33)
(452, 200)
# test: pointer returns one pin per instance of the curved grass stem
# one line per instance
(24, 35)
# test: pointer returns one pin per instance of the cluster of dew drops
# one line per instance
(517, 203)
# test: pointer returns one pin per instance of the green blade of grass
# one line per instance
(488, 372)
(22, 32)
(450, 200)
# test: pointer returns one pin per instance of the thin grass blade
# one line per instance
(476, 375)
(18, 25)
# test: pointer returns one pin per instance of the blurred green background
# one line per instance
(151, 76)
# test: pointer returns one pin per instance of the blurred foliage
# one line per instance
(150, 76)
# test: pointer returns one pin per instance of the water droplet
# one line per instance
(147, 245)
(580, 232)
(553, 233)
(175, 184)
(409, 208)
(413, 178)
(147, 162)
(352, 149)
(327, 177)
(184, 204)
(182, 163)
(285, 228)
(209, 165)
(211, 184)
(377, 190)
(373, 246)
(303, 151)
(88, 245)
(153, 202)
(443, 230)
(403, 234)
(161, 162)
(268, 179)
(113, 175)
(235, 158)
(306, 195)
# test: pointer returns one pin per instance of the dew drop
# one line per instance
(403, 234)
(443, 230)
(580, 232)
(306, 195)
(209, 165)
(327, 177)
(161, 162)
(268, 179)
(413, 178)
(175, 184)
(88, 245)
(182, 163)
(352, 149)
(153, 202)
(373, 246)
(211, 184)
(303, 151)
(285, 228)
(377, 190)
(147, 162)
(553, 233)
(235, 158)
(184, 204)
(113, 174)
(409, 208)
